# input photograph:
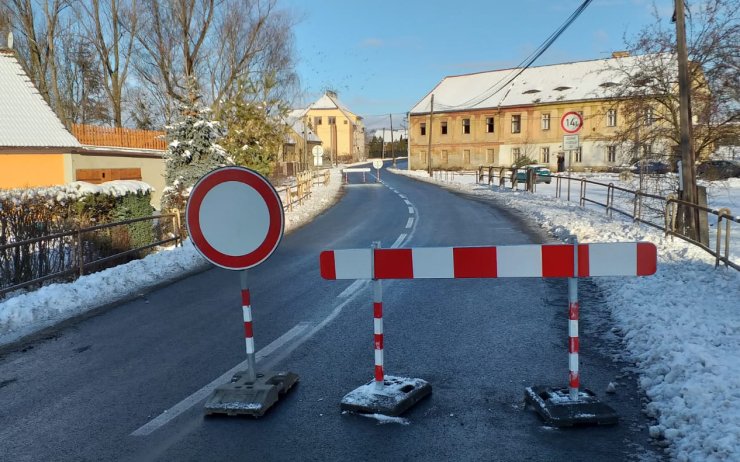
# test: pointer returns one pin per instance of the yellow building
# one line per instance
(37, 150)
(489, 119)
(342, 132)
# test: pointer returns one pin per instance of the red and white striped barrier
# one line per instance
(570, 261)
(541, 261)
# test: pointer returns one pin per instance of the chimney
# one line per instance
(620, 54)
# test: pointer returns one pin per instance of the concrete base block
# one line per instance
(244, 397)
(396, 396)
(555, 407)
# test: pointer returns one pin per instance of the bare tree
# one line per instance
(255, 44)
(82, 92)
(172, 34)
(111, 27)
(647, 92)
(37, 35)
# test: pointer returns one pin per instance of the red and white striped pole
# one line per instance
(248, 332)
(378, 326)
(574, 377)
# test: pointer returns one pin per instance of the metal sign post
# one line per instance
(235, 220)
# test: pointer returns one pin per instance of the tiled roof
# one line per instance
(582, 80)
(25, 118)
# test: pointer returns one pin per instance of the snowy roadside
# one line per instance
(681, 327)
(27, 313)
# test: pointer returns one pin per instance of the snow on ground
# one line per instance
(681, 327)
(30, 312)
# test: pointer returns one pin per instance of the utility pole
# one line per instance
(393, 152)
(429, 148)
(689, 193)
(382, 149)
(305, 137)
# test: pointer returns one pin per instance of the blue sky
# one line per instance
(383, 56)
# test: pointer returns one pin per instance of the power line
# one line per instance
(524, 65)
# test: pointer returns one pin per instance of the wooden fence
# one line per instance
(119, 137)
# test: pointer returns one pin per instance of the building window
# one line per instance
(545, 121)
(516, 153)
(443, 127)
(545, 155)
(611, 154)
(317, 120)
(466, 126)
(516, 124)
(649, 116)
(423, 129)
(489, 124)
(332, 120)
(611, 118)
(489, 156)
(579, 155)
(466, 156)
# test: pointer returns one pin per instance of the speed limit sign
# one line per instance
(571, 122)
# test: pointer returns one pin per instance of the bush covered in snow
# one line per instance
(36, 212)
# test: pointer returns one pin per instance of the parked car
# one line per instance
(650, 166)
(718, 169)
(544, 175)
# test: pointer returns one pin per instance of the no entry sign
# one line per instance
(235, 218)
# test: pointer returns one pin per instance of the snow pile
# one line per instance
(30, 312)
(681, 327)
(75, 191)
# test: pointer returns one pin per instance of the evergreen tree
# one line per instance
(256, 132)
(192, 152)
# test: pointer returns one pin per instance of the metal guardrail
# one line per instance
(665, 209)
(63, 255)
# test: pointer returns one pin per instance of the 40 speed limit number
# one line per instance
(571, 122)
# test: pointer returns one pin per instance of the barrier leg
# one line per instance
(573, 377)
(385, 394)
(568, 406)
(249, 392)
(378, 332)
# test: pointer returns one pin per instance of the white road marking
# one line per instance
(204, 392)
(407, 202)
(402, 196)
(398, 241)
(411, 210)
(410, 222)
(352, 288)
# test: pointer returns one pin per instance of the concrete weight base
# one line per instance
(244, 397)
(396, 396)
(554, 406)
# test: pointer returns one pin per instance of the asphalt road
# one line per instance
(128, 383)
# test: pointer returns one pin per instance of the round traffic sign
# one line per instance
(571, 122)
(378, 164)
(235, 218)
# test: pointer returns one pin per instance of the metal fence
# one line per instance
(68, 255)
(653, 210)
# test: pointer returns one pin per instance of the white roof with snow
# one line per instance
(25, 118)
(327, 101)
(576, 81)
(295, 120)
(386, 135)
